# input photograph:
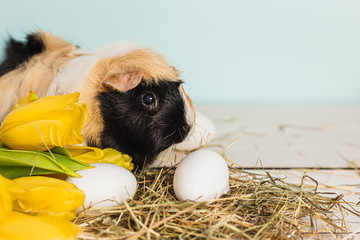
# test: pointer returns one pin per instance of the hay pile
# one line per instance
(258, 206)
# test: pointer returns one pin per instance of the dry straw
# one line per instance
(258, 206)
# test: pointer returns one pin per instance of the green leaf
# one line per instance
(2, 145)
(68, 162)
(39, 160)
(9, 157)
(61, 151)
(12, 172)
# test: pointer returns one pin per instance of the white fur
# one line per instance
(73, 75)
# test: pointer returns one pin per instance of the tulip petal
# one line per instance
(95, 155)
(33, 135)
(48, 196)
(35, 110)
(5, 204)
(7, 187)
(5, 199)
(19, 226)
(26, 100)
(60, 127)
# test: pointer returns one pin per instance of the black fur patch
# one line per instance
(17, 52)
(143, 121)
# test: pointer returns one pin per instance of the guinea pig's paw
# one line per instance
(168, 158)
(201, 134)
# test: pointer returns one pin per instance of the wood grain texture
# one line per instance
(288, 136)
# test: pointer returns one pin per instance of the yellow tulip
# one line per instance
(47, 196)
(95, 155)
(54, 121)
(19, 226)
(7, 188)
(32, 193)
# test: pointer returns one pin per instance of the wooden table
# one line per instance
(323, 141)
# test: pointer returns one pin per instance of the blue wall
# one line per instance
(255, 51)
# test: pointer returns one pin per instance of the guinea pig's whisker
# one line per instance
(166, 154)
(170, 134)
(170, 149)
(181, 135)
(157, 125)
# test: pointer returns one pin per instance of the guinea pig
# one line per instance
(136, 100)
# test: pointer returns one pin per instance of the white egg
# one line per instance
(203, 175)
(106, 185)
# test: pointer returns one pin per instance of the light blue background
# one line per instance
(278, 51)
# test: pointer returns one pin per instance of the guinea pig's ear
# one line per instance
(122, 82)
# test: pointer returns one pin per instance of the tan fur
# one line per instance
(37, 74)
(187, 99)
(189, 102)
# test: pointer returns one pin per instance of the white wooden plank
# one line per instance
(288, 136)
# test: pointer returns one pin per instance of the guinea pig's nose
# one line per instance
(182, 133)
(186, 129)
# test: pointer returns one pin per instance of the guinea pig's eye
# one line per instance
(149, 99)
